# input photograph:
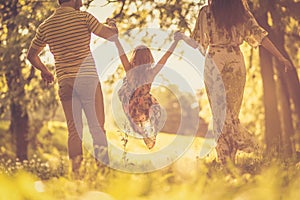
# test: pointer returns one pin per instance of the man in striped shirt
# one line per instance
(68, 33)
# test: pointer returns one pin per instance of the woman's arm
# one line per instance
(190, 41)
(164, 58)
(267, 43)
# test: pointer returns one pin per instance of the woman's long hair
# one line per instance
(229, 13)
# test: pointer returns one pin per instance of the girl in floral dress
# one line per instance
(220, 29)
(141, 108)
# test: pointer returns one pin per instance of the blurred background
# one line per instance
(31, 118)
(271, 107)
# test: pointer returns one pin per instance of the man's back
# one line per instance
(68, 34)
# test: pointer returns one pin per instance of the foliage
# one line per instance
(171, 14)
(24, 97)
(188, 178)
(16, 34)
(200, 180)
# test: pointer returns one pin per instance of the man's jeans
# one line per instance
(84, 93)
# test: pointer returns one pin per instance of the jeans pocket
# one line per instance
(65, 90)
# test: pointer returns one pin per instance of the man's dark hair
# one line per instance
(62, 1)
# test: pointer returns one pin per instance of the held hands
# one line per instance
(178, 36)
(181, 36)
(112, 23)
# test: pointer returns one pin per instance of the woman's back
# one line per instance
(208, 33)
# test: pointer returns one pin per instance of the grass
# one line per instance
(207, 180)
(189, 177)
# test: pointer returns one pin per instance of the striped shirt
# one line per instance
(68, 33)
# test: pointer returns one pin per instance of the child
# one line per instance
(141, 108)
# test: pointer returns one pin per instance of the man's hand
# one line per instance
(108, 31)
(48, 77)
(112, 23)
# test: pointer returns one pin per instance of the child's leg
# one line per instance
(141, 126)
(136, 125)
(157, 117)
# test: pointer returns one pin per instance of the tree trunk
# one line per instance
(272, 120)
(284, 94)
(19, 122)
(289, 81)
(286, 116)
(19, 127)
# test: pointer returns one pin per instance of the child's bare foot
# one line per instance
(150, 142)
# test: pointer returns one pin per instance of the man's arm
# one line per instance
(34, 59)
(107, 32)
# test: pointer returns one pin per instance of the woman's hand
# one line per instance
(181, 36)
(287, 64)
(178, 36)
(268, 44)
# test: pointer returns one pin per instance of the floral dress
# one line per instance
(141, 108)
(225, 72)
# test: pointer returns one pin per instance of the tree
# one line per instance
(176, 14)
(276, 17)
(25, 96)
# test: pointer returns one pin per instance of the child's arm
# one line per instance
(165, 57)
(123, 56)
(191, 42)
